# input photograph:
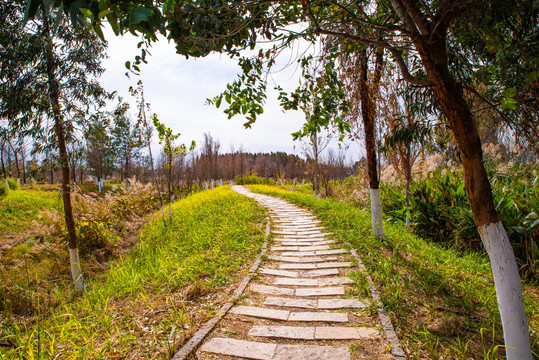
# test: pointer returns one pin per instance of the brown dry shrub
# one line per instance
(100, 218)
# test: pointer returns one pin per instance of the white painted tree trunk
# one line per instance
(376, 213)
(76, 273)
(508, 291)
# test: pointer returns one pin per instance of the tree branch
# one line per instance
(419, 19)
(486, 101)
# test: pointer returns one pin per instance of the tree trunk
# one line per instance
(503, 263)
(367, 113)
(51, 170)
(9, 165)
(16, 161)
(23, 160)
(408, 177)
(54, 93)
(2, 160)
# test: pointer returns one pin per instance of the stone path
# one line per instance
(303, 304)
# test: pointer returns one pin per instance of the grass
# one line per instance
(19, 207)
(421, 283)
(154, 298)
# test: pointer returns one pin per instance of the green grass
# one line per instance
(19, 207)
(420, 282)
(175, 271)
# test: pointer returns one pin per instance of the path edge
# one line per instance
(389, 330)
(195, 341)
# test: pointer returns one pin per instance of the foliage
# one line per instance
(13, 183)
(252, 179)
(3, 190)
(174, 279)
(421, 282)
(101, 219)
(440, 211)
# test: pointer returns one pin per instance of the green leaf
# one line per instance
(128, 65)
(103, 13)
(140, 14)
(87, 13)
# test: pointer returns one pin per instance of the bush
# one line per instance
(3, 190)
(13, 184)
(252, 180)
(440, 211)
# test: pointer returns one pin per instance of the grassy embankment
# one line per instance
(422, 283)
(20, 207)
(153, 299)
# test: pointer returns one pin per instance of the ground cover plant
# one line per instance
(19, 207)
(443, 303)
(152, 298)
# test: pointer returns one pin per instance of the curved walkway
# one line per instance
(305, 302)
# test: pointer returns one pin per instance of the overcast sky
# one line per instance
(177, 90)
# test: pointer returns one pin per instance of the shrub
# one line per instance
(440, 211)
(252, 180)
(13, 184)
(3, 190)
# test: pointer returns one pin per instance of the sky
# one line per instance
(177, 90)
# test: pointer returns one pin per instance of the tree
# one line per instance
(100, 154)
(46, 66)
(167, 139)
(362, 91)
(432, 30)
(126, 139)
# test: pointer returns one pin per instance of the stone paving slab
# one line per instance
(283, 332)
(331, 252)
(287, 302)
(298, 266)
(330, 265)
(298, 253)
(310, 259)
(320, 291)
(260, 312)
(318, 273)
(318, 316)
(313, 332)
(311, 352)
(309, 243)
(330, 281)
(305, 247)
(308, 266)
(344, 333)
(276, 272)
(272, 290)
(302, 237)
(335, 281)
(329, 304)
(295, 282)
(240, 348)
(340, 304)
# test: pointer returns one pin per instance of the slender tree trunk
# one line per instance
(23, 160)
(54, 93)
(408, 177)
(51, 170)
(2, 160)
(315, 150)
(16, 161)
(9, 164)
(368, 114)
(503, 263)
